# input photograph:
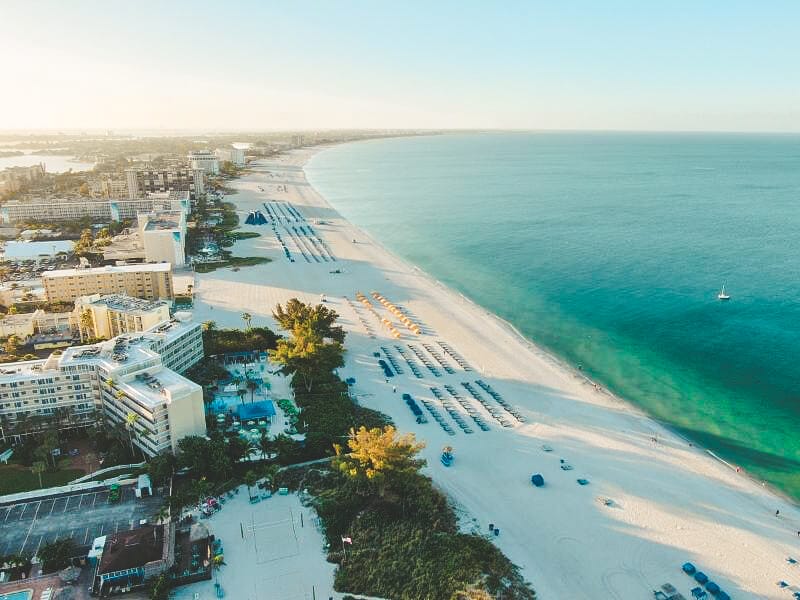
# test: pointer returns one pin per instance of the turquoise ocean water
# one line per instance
(609, 250)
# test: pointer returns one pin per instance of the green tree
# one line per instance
(247, 318)
(56, 555)
(209, 325)
(160, 587)
(379, 459)
(252, 386)
(319, 319)
(39, 467)
(250, 479)
(161, 468)
(49, 443)
(86, 328)
(130, 423)
(12, 344)
(241, 393)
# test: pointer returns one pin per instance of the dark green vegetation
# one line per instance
(56, 555)
(311, 353)
(231, 261)
(222, 341)
(406, 543)
(215, 222)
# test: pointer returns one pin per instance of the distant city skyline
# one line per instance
(202, 66)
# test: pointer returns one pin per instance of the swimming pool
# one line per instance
(20, 595)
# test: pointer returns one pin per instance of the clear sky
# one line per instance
(576, 64)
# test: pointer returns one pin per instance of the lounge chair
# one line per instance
(700, 577)
(688, 568)
(699, 593)
(712, 588)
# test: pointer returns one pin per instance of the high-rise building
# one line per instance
(148, 281)
(232, 153)
(205, 160)
(148, 180)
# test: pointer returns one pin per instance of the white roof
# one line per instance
(158, 267)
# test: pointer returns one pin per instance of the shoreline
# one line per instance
(543, 352)
(674, 500)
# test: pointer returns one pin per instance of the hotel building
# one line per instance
(96, 209)
(163, 235)
(105, 317)
(143, 181)
(205, 160)
(131, 380)
(148, 281)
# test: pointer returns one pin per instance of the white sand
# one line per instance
(672, 502)
(285, 559)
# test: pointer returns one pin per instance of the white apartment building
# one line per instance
(126, 380)
(106, 317)
(141, 181)
(97, 209)
(163, 236)
(205, 160)
(232, 153)
(149, 281)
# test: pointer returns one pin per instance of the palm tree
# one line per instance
(38, 467)
(252, 386)
(247, 318)
(241, 394)
(86, 325)
(209, 325)
(250, 480)
(265, 445)
(162, 514)
(130, 424)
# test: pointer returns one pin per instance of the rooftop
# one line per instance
(152, 267)
(163, 221)
(129, 303)
(132, 549)
(153, 389)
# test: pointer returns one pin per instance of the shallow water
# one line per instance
(609, 250)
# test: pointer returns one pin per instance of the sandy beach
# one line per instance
(653, 501)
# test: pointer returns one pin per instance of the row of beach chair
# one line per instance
(438, 358)
(411, 364)
(497, 414)
(392, 361)
(448, 349)
(500, 400)
(474, 414)
(425, 360)
(451, 409)
(437, 416)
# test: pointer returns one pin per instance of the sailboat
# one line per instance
(722, 295)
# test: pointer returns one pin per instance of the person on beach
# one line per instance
(777, 513)
(394, 389)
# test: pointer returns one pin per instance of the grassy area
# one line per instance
(242, 235)
(16, 478)
(233, 261)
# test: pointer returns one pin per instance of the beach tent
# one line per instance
(537, 480)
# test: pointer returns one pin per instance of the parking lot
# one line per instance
(26, 526)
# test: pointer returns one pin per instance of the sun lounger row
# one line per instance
(437, 416)
(286, 251)
(297, 244)
(302, 244)
(500, 400)
(361, 320)
(467, 407)
(392, 361)
(701, 578)
(438, 358)
(425, 361)
(412, 404)
(367, 304)
(451, 409)
(411, 364)
(454, 355)
(386, 370)
(496, 413)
